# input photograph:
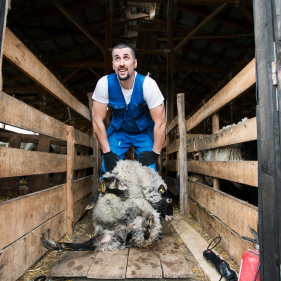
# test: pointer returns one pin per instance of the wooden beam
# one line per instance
(229, 76)
(235, 213)
(209, 80)
(215, 128)
(16, 51)
(246, 13)
(94, 72)
(184, 76)
(172, 125)
(69, 180)
(18, 162)
(67, 77)
(170, 99)
(199, 26)
(245, 172)
(201, 12)
(29, 118)
(206, 37)
(246, 131)
(182, 154)
(214, 2)
(238, 85)
(172, 147)
(78, 24)
(76, 64)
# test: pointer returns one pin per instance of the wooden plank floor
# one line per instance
(162, 260)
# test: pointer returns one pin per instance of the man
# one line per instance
(138, 112)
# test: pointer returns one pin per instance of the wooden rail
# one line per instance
(18, 54)
(245, 172)
(238, 85)
(49, 213)
(246, 131)
(17, 162)
(16, 113)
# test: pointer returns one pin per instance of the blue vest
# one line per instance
(134, 117)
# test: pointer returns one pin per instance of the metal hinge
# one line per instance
(274, 73)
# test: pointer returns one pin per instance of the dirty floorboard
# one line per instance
(162, 260)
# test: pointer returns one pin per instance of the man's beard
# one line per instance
(123, 78)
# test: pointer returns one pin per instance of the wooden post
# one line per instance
(40, 182)
(69, 180)
(184, 208)
(268, 133)
(170, 73)
(215, 128)
(96, 151)
(108, 46)
(4, 4)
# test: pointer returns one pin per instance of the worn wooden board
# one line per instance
(4, 136)
(239, 171)
(29, 118)
(82, 187)
(231, 243)
(82, 138)
(246, 131)
(23, 253)
(23, 214)
(144, 263)
(17, 162)
(79, 207)
(170, 165)
(235, 213)
(238, 85)
(195, 243)
(109, 265)
(174, 265)
(173, 146)
(172, 185)
(16, 52)
(76, 263)
(82, 162)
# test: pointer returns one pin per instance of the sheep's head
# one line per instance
(164, 206)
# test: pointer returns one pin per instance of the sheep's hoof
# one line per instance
(50, 245)
(148, 225)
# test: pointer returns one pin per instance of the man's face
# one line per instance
(123, 63)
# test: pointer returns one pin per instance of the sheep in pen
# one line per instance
(238, 152)
(127, 213)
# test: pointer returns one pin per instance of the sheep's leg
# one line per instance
(149, 220)
(123, 194)
(86, 246)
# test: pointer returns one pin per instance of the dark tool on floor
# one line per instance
(221, 266)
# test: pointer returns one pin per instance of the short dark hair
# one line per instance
(122, 46)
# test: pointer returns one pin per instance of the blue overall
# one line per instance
(131, 124)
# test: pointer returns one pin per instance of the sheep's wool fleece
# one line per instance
(113, 216)
(135, 177)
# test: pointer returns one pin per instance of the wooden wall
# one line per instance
(218, 212)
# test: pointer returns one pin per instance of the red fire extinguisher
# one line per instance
(250, 264)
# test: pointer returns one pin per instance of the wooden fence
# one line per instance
(48, 213)
(218, 212)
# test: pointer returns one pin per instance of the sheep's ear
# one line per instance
(161, 189)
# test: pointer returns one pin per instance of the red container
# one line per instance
(249, 266)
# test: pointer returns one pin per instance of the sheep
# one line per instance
(124, 215)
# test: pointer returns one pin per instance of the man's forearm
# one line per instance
(159, 136)
(101, 136)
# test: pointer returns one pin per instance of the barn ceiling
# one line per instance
(212, 40)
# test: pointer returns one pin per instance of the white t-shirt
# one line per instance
(151, 92)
